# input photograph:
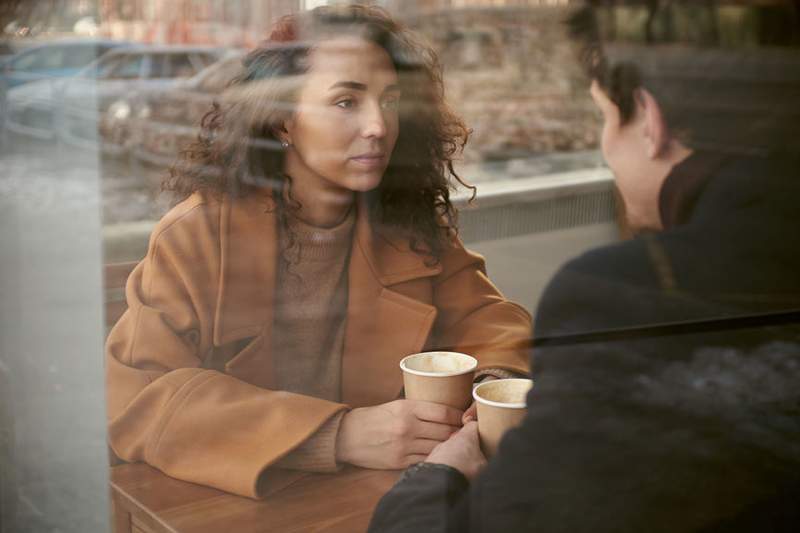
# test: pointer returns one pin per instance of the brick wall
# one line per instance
(510, 72)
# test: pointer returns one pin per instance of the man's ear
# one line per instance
(655, 128)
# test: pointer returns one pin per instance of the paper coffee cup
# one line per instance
(439, 377)
(501, 406)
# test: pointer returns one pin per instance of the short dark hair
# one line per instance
(728, 80)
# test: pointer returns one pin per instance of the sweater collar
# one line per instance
(249, 244)
(304, 242)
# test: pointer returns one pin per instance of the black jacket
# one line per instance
(638, 421)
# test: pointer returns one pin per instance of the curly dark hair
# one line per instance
(238, 150)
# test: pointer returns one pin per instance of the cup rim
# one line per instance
(511, 405)
(404, 368)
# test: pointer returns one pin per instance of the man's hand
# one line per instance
(394, 435)
(462, 451)
(470, 414)
(472, 411)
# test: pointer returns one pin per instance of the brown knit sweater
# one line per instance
(308, 331)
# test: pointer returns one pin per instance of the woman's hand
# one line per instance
(462, 451)
(394, 435)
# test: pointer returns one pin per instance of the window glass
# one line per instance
(178, 65)
(79, 56)
(106, 66)
(26, 61)
(128, 67)
(212, 268)
(218, 76)
(204, 60)
(43, 59)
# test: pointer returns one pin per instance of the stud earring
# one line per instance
(286, 144)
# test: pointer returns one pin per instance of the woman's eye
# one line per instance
(347, 103)
(391, 103)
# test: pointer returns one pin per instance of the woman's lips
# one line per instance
(369, 160)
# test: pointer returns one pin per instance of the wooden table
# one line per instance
(146, 501)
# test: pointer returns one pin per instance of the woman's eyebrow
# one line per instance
(348, 85)
(357, 86)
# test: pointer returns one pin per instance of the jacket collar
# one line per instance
(249, 248)
(685, 184)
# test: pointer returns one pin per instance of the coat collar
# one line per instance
(388, 253)
(249, 248)
(685, 184)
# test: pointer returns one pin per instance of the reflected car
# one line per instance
(164, 122)
(72, 109)
(87, 101)
(31, 109)
(48, 63)
(53, 60)
(6, 50)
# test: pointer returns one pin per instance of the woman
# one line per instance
(314, 248)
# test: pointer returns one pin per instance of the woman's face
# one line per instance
(345, 124)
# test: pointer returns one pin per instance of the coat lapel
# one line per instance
(383, 324)
(386, 317)
(248, 242)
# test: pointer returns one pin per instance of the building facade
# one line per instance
(234, 23)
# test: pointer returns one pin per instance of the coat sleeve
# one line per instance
(475, 318)
(164, 407)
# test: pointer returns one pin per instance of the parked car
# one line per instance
(52, 60)
(163, 122)
(119, 75)
(46, 64)
(73, 109)
(31, 109)
(6, 50)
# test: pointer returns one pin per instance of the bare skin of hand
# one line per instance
(394, 435)
(472, 411)
(462, 451)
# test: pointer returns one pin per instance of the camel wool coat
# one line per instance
(188, 366)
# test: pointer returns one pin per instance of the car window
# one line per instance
(26, 61)
(104, 67)
(129, 67)
(41, 59)
(171, 66)
(53, 58)
(80, 56)
(204, 60)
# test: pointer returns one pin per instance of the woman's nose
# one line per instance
(374, 123)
